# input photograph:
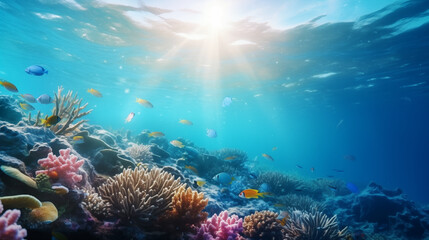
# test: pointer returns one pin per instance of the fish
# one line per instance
(274, 148)
(29, 98)
(312, 169)
(192, 168)
(252, 176)
(252, 193)
(349, 157)
(352, 188)
(264, 187)
(45, 99)
(186, 122)
(94, 92)
(36, 70)
(200, 183)
(267, 156)
(283, 217)
(78, 140)
(211, 133)
(230, 158)
(340, 122)
(177, 143)
(129, 117)
(50, 121)
(156, 134)
(298, 166)
(299, 189)
(26, 106)
(223, 178)
(337, 170)
(226, 101)
(333, 187)
(144, 103)
(9, 86)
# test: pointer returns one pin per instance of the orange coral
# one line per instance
(186, 212)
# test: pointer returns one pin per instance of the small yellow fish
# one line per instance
(200, 183)
(94, 92)
(78, 139)
(193, 169)
(252, 193)
(186, 122)
(267, 156)
(230, 158)
(26, 106)
(50, 121)
(144, 103)
(156, 134)
(274, 148)
(177, 143)
(9, 86)
(284, 216)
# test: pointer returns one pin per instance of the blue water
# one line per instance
(353, 82)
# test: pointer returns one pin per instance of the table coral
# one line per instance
(220, 227)
(9, 230)
(65, 167)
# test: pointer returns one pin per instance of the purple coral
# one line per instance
(64, 168)
(220, 227)
(9, 230)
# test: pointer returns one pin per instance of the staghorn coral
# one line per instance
(300, 202)
(186, 212)
(279, 184)
(220, 227)
(97, 206)
(9, 230)
(139, 195)
(64, 167)
(312, 225)
(262, 225)
(68, 107)
(140, 152)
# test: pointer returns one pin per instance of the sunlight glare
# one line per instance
(214, 15)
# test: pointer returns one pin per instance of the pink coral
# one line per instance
(64, 168)
(9, 230)
(220, 227)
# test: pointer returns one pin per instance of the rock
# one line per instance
(9, 110)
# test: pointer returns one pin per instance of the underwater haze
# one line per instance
(327, 89)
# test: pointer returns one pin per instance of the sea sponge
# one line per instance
(9, 230)
(303, 225)
(186, 212)
(262, 225)
(18, 175)
(65, 168)
(20, 201)
(139, 195)
(220, 227)
(47, 213)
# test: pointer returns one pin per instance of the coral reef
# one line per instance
(9, 230)
(220, 227)
(97, 206)
(278, 183)
(262, 225)
(20, 201)
(303, 225)
(140, 152)
(300, 202)
(65, 168)
(186, 213)
(47, 213)
(140, 194)
(9, 110)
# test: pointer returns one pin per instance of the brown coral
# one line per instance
(186, 212)
(262, 225)
(140, 195)
(97, 206)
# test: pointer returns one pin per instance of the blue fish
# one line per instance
(36, 70)
(264, 187)
(298, 166)
(29, 98)
(45, 99)
(226, 102)
(223, 178)
(353, 188)
(211, 133)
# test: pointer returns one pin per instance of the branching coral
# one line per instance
(313, 225)
(97, 206)
(65, 167)
(262, 225)
(9, 230)
(186, 212)
(68, 107)
(140, 194)
(300, 202)
(220, 227)
(279, 184)
(140, 153)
